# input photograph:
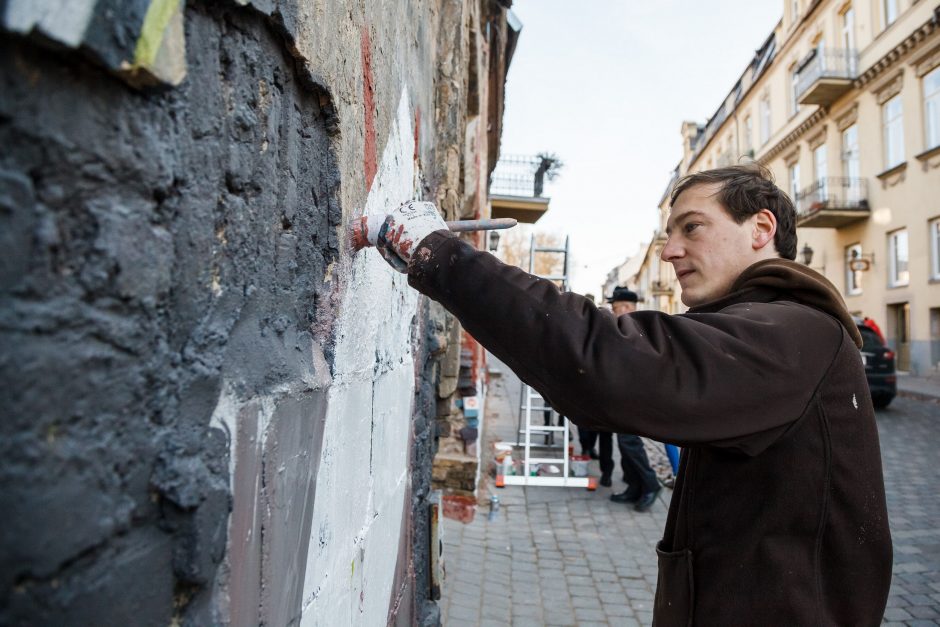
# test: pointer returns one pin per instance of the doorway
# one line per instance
(899, 329)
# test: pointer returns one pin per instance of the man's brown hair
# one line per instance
(745, 190)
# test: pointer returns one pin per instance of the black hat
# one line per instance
(623, 293)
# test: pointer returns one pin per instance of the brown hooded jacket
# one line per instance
(778, 515)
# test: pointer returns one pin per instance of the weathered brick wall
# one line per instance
(215, 413)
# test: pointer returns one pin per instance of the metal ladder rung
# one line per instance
(552, 277)
(546, 460)
(536, 408)
(549, 249)
(542, 429)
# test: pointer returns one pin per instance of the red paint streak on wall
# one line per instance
(417, 131)
(368, 100)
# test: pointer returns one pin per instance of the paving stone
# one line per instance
(896, 613)
(588, 602)
(577, 580)
(607, 586)
(582, 591)
(923, 611)
(615, 610)
(457, 612)
(585, 614)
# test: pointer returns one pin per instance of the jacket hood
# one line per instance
(792, 281)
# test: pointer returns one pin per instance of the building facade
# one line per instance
(842, 103)
(216, 412)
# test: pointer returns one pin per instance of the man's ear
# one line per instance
(765, 227)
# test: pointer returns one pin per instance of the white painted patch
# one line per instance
(64, 21)
(364, 463)
(854, 402)
(225, 419)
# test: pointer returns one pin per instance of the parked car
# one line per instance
(879, 364)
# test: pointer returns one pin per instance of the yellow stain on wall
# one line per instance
(156, 20)
(160, 52)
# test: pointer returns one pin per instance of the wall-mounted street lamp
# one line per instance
(494, 241)
(806, 255)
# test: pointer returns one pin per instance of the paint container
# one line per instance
(579, 465)
(494, 507)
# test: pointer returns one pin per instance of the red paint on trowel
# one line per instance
(368, 100)
(359, 233)
(461, 508)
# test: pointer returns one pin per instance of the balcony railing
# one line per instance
(517, 186)
(520, 175)
(832, 202)
(826, 75)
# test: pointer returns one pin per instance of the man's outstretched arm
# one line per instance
(735, 380)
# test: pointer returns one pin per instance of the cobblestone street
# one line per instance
(567, 556)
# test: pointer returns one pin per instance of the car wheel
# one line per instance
(881, 401)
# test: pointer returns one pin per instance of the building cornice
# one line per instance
(894, 55)
(818, 115)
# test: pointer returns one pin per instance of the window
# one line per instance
(794, 85)
(934, 231)
(748, 134)
(820, 172)
(765, 119)
(893, 123)
(897, 257)
(848, 30)
(851, 169)
(853, 277)
(794, 172)
(932, 108)
(891, 12)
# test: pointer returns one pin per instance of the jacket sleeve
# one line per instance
(737, 379)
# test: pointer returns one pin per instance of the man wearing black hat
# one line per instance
(642, 485)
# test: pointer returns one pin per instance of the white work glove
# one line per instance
(403, 229)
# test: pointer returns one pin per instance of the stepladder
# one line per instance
(542, 434)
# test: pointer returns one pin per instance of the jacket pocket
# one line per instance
(675, 593)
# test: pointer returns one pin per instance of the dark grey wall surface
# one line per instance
(154, 243)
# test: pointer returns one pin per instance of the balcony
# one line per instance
(517, 186)
(832, 203)
(660, 288)
(826, 75)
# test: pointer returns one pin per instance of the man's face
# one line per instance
(621, 307)
(707, 248)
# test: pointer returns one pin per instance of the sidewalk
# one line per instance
(926, 388)
(548, 556)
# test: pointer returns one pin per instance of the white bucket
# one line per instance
(579, 465)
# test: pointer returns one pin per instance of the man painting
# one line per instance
(778, 515)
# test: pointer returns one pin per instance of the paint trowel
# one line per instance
(359, 228)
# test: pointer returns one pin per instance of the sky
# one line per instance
(606, 84)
